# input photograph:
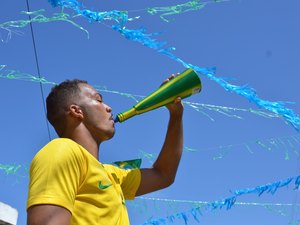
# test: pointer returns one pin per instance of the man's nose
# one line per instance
(108, 108)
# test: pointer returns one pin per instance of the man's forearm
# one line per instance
(170, 155)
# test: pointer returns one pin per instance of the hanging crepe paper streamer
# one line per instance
(280, 143)
(226, 202)
(285, 143)
(15, 170)
(38, 17)
(188, 149)
(148, 206)
(177, 9)
(225, 110)
(207, 203)
(10, 169)
(120, 17)
(245, 91)
(16, 75)
(295, 222)
(140, 36)
(140, 202)
(129, 164)
(151, 156)
(181, 8)
(128, 95)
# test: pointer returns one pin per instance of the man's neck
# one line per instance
(89, 144)
(86, 140)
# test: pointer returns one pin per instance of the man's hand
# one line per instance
(175, 108)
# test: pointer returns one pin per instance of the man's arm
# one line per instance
(48, 215)
(163, 172)
(55, 175)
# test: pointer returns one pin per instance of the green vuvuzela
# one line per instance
(183, 85)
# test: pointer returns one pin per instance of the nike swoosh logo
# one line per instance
(101, 186)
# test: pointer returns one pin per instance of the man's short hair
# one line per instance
(58, 100)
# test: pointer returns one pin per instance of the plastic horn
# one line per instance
(183, 85)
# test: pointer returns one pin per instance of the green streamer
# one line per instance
(148, 156)
(296, 222)
(280, 143)
(17, 75)
(104, 89)
(248, 148)
(18, 171)
(269, 144)
(38, 17)
(274, 143)
(172, 205)
(287, 156)
(227, 111)
(224, 151)
(179, 9)
(188, 149)
(199, 107)
(207, 202)
(176, 9)
(10, 169)
(263, 145)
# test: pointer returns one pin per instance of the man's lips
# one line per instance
(111, 117)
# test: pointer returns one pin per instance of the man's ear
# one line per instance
(76, 111)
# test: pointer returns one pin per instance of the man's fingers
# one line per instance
(177, 100)
(171, 77)
(168, 79)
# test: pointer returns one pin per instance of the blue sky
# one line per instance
(249, 42)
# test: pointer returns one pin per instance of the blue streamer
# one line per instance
(297, 182)
(245, 91)
(195, 213)
(139, 35)
(120, 17)
(227, 202)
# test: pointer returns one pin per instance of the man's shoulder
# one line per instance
(59, 148)
(60, 143)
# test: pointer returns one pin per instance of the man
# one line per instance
(68, 185)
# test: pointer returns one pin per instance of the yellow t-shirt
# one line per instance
(63, 173)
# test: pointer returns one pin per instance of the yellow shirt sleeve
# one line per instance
(55, 175)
